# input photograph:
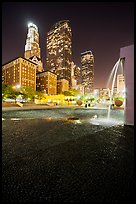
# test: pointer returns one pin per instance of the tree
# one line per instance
(4, 92)
(71, 92)
(9, 92)
(67, 93)
(40, 95)
(14, 94)
(28, 92)
(75, 92)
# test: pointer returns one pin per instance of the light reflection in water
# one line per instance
(106, 121)
(15, 118)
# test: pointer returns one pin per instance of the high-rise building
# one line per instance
(59, 50)
(46, 82)
(73, 80)
(75, 75)
(32, 49)
(87, 61)
(19, 72)
(120, 84)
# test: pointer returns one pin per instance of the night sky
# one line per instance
(102, 28)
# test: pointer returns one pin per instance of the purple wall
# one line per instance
(128, 53)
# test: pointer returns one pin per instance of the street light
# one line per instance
(18, 86)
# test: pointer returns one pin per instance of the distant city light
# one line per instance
(95, 91)
(78, 97)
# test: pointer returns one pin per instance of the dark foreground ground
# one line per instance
(62, 161)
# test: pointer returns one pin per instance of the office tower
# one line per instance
(19, 72)
(120, 84)
(59, 50)
(73, 80)
(32, 49)
(77, 74)
(46, 82)
(87, 61)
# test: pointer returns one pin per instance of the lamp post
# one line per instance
(18, 86)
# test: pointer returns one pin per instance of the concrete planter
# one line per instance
(79, 102)
(118, 103)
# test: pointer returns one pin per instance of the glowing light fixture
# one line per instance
(18, 86)
(32, 25)
(78, 97)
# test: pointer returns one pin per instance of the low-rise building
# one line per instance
(46, 82)
(62, 85)
(19, 72)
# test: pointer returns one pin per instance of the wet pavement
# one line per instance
(61, 155)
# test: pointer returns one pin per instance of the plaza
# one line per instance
(68, 102)
(64, 155)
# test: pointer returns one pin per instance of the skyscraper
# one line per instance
(32, 49)
(59, 50)
(73, 80)
(75, 75)
(87, 61)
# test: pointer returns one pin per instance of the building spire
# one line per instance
(32, 42)
(32, 49)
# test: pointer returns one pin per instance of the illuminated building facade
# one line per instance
(39, 63)
(59, 50)
(32, 49)
(104, 92)
(87, 61)
(73, 80)
(75, 75)
(97, 92)
(80, 88)
(120, 84)
(62, 85)
(19, 72)
(46, 82)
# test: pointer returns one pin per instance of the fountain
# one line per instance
(101, 117)
(114, 71)
(127, 54)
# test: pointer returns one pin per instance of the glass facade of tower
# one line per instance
(87, 61)
(59, 50)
